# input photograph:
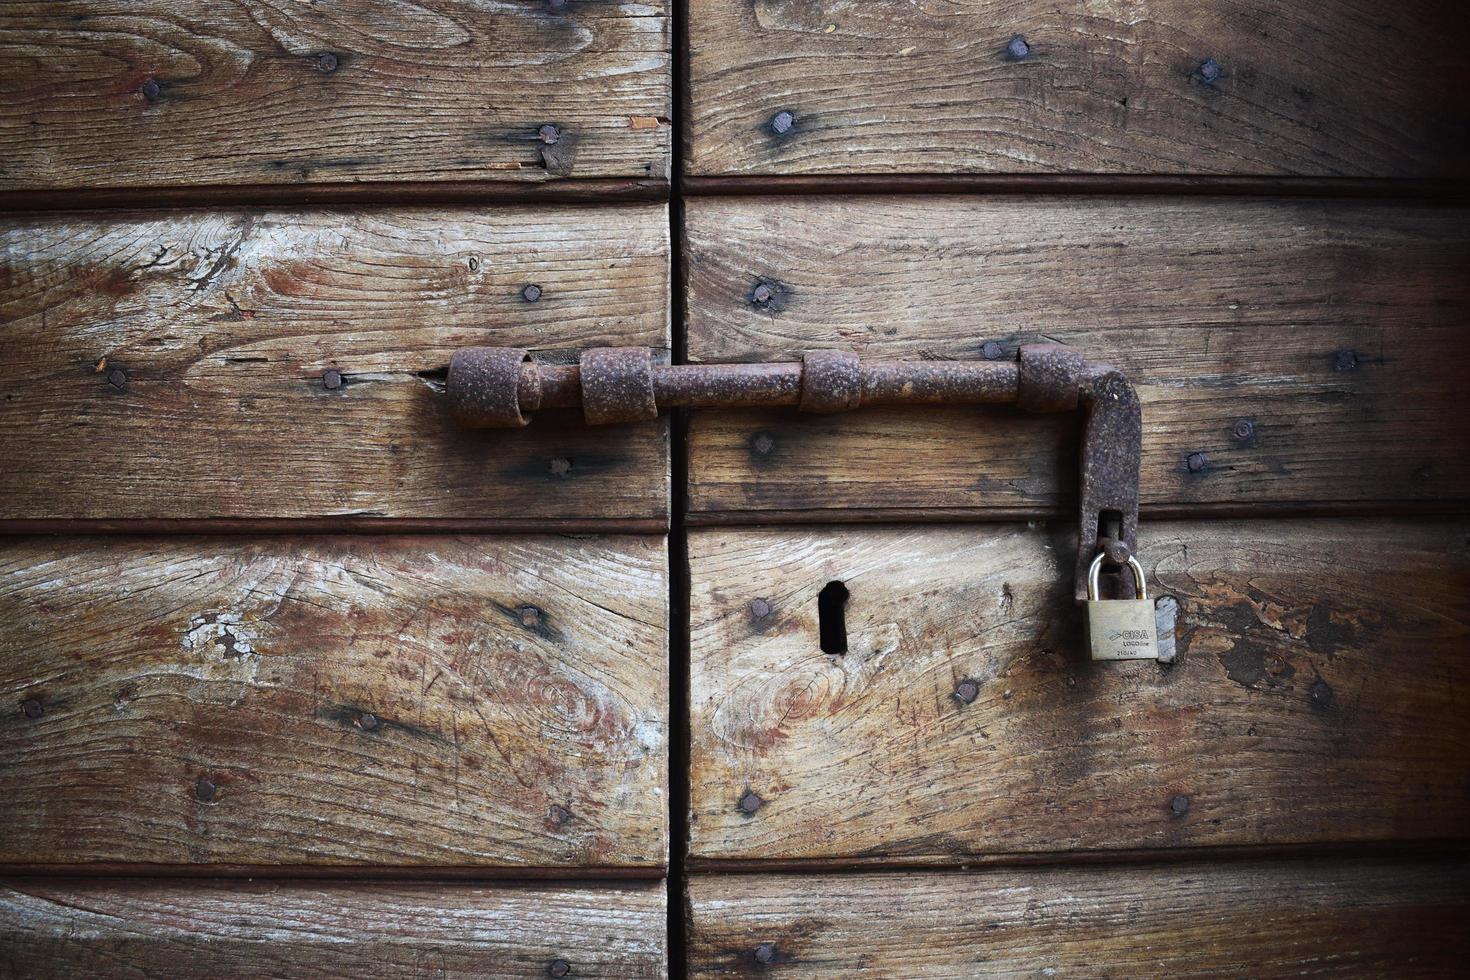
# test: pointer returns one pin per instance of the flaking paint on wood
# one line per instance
(1313, 698)
(429, 701)
(270, 364)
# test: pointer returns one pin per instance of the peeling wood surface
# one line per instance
(1289, 919)
(1309, 350)
(1338, 88)
(381, 929)
(191, 92)
(491, 702)
(225, 324)
(1315, 697)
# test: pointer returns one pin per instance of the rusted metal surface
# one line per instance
(492, 387)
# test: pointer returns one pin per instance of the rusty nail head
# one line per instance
(326, 61)
(1018, 48)
(1210, 70)
(992, 350)
(561, 467)
(1179, 805)
(31, 708)
(118, 378)
(967, 691)
(559, 814)
(531, 293)
(558, 968)
(150, 90)
(549, 134)
(760, 608)
(765, 953)
(556, 4)
(331, 379)
(761, 294)
(367, 721)
(1346, 360)
(530, 616)
(204, 790)
(1195, 462)
(762, 443)
(782, 122)
(1243, 430)
(750, 802)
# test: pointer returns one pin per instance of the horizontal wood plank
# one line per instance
(467, 702)
(1306, 351)
(381, 929)
(118, 93)
(1339, 88)
(175, 366)
(1289, 919)
(1314, 698)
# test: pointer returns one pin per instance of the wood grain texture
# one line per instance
(224, 324)
(1340, 88)
(103, 93)
(1288, 919)
(1315, 699)
(1310, 350)
(489, 702)
(261, 928)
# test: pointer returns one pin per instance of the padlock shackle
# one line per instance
(1094, 571)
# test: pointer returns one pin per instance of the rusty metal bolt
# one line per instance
(750, 802)
(326, 62)
(761, 608)
(762, 443)
(118, 378)
(1179, 805)
(331, 379)
(558, 968)
(205, 790)
(1017, 49)
(992, 350)
(1345, 360)
(1243, 430)
(1196, 462)
(765, 953)
(782, 122)
(967, 691)
(559, 814)
(1210, 71)
(548, 134)
(31, 708)
(150, 90)
(367, 721)
(530, 616)
(761, 294)
(531, 293)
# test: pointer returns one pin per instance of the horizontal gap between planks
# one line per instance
(372, 872)
(332, 525)
(1425, 849)
(398, 193)
(1223, 510)
(1350, 187)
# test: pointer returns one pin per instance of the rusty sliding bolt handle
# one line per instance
(493, 387)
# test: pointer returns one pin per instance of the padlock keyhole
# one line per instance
(832, 618)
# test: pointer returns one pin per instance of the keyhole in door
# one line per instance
(832, 617)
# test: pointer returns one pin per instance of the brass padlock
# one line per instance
(1121, 629)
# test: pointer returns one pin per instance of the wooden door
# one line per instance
(304, 679)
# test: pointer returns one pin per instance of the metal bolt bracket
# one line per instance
(492, 387)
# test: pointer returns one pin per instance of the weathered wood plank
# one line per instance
(1314, 699)
(1289, 919)
(190, 92)
(263, 928)
(225, 324)
(476, 701)
(1310, 350)
(1341, 88)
